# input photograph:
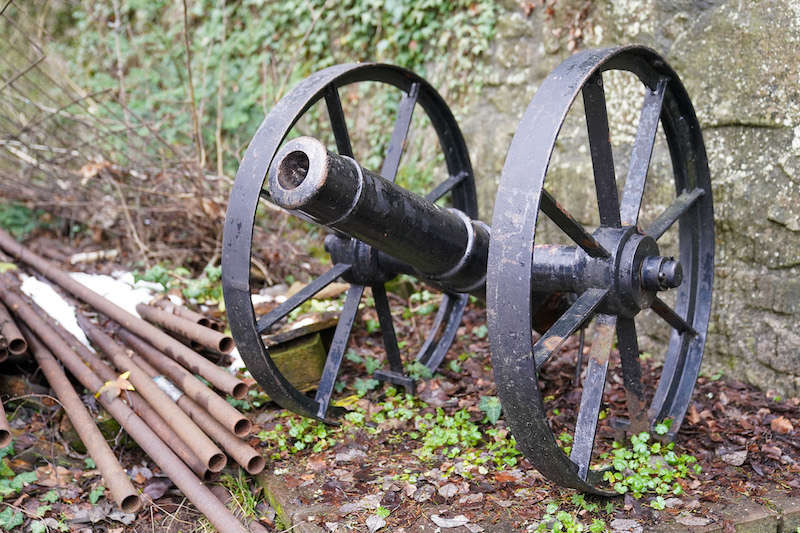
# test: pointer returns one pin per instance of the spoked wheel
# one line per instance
(353, 261)
(613, 273)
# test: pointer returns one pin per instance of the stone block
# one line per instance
(788, 509)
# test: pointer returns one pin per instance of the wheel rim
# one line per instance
(240, 218)
(509, 283)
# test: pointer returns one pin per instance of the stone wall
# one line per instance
(740, 62)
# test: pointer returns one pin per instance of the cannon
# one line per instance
(537, 294)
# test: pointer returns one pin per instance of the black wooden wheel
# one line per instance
(631, 272)
(353, 261)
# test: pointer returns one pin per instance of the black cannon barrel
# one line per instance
(443, 244)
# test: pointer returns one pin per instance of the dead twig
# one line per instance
(195, 119)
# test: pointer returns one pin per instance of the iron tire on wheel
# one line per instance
(509, 286)
(249, 185)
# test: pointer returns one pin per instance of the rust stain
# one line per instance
(603, 339)
(551, 343)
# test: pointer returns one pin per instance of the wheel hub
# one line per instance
(633, 272)
(633, 287)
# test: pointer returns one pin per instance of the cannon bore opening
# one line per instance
(293, 169)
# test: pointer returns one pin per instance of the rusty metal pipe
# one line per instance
(206, 337)
(221, 410)
(241, 452)
(185, 312)
(122, 490)
(219, 377)
(188, 431)
(5, 429)
(169, 463)
(16, 343)
(137, 403)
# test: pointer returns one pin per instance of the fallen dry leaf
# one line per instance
(781, 425)
(448, 491)
(374, 523)
(49, 477)
(505, 477)
(695, 521)
(736, 458)
(456, 521)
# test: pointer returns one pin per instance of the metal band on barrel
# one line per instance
(356, 197)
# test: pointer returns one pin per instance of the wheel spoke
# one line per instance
(443, 331)
(668, 217)
(594, 103)
(387, 328)
(570, 226)
(266, 321)
(592, 396)
(578, 313)
(641, 154)
(445, 187)
(401, 125)
(428, 347)
(338, 345)
(579, 363)
(632, 374)
(338, 123)
(671, 317)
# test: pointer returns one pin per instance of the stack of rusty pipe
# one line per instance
(181, 423)
(46, 343)
(11, 340)
(191, 360)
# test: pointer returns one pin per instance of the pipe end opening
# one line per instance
(242, 428)
(217, 462)
(130, 503)
(239, 390)
(256, 465)
(17, 346)
(226, 345)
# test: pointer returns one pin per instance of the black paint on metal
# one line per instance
(592, 395)
(338, 122)
(267, 321)
(577, 315)
(444, 187)
(628, 346)
(570, 226)
(444, 245)
(387, 328)
(364, 262)
(671, 317)
(641, 153)
(605, 182)
(576, 381)
(512, 280)
(401, 125)
(674, 212)
(337, 349)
